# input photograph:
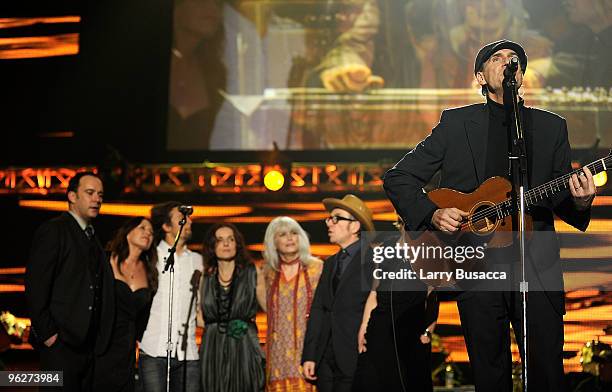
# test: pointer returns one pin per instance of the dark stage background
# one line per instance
(98, 85)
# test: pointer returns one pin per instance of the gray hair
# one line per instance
(270, 253)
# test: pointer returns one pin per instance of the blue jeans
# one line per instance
(152, 372)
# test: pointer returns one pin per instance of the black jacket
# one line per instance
(457, 148)
(59, 285)
(335, 319)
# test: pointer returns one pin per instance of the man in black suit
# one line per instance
(69, 287)
(330, 344)
(468, 146)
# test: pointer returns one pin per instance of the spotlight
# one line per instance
(600, 179)
(274, 180)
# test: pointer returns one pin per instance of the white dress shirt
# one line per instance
(79, 220)
(156, 335)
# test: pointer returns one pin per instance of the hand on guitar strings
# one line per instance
(448, 220)
(582, 188)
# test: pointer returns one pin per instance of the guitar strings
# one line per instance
(493, 210)
(531, 194)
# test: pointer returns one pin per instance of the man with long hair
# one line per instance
(184, 367)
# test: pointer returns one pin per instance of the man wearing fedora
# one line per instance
(468, 146)
(330, 345)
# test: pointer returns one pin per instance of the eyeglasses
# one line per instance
(335, 219)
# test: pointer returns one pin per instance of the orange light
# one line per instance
(595, 226)
(307, 217)
(138, 209)
(6, 23)
(274, 180)
(304, 206)
(386, 216)
(581, 294)
(374, 205)
(12, 288)
(12, 271)
(33, 47)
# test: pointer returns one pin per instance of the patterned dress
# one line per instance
(288, 304)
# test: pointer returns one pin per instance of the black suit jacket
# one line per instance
(335, 318)
(457, 148)
(59, 285)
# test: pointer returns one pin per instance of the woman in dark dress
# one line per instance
(394, 340)
(232, 287)
(133, 260)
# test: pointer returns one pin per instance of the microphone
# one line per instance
(511, 67)
(185, 210)
(195, 279)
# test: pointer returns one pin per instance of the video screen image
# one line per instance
(373, 74)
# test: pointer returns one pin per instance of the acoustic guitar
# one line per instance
(489, 223)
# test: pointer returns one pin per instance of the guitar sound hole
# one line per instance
(483, 224)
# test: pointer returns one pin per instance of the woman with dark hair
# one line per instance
(133, 261)
(231, 358)
(394, 340)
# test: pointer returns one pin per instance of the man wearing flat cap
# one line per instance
(330, 345)
(469, 145)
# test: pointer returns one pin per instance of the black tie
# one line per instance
(89, 232)
(95, 254)
(340, 260)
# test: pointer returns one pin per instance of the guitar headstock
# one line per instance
(608, 159)
(605, 163)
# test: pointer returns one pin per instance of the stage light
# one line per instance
(274, 180)
(600, 179)
(129, 209)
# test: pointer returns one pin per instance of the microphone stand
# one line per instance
(195, 282)
(518, 162)
(170, 266)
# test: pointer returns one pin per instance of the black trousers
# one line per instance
(395, 359)
(485, 319)
(330, 377)
(77, 364)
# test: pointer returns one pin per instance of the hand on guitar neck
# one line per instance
(448, 220)
(489, 206)
(582, 188)
(485, 216)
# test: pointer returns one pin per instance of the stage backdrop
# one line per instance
(364, 74)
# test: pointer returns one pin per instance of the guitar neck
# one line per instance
(505, 208)
(559, 184)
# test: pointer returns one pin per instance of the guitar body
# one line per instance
(488, 225)
(493, 191)
(488, 231)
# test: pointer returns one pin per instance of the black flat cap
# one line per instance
(489, 49)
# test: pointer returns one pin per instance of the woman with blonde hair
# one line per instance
(291, 276)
